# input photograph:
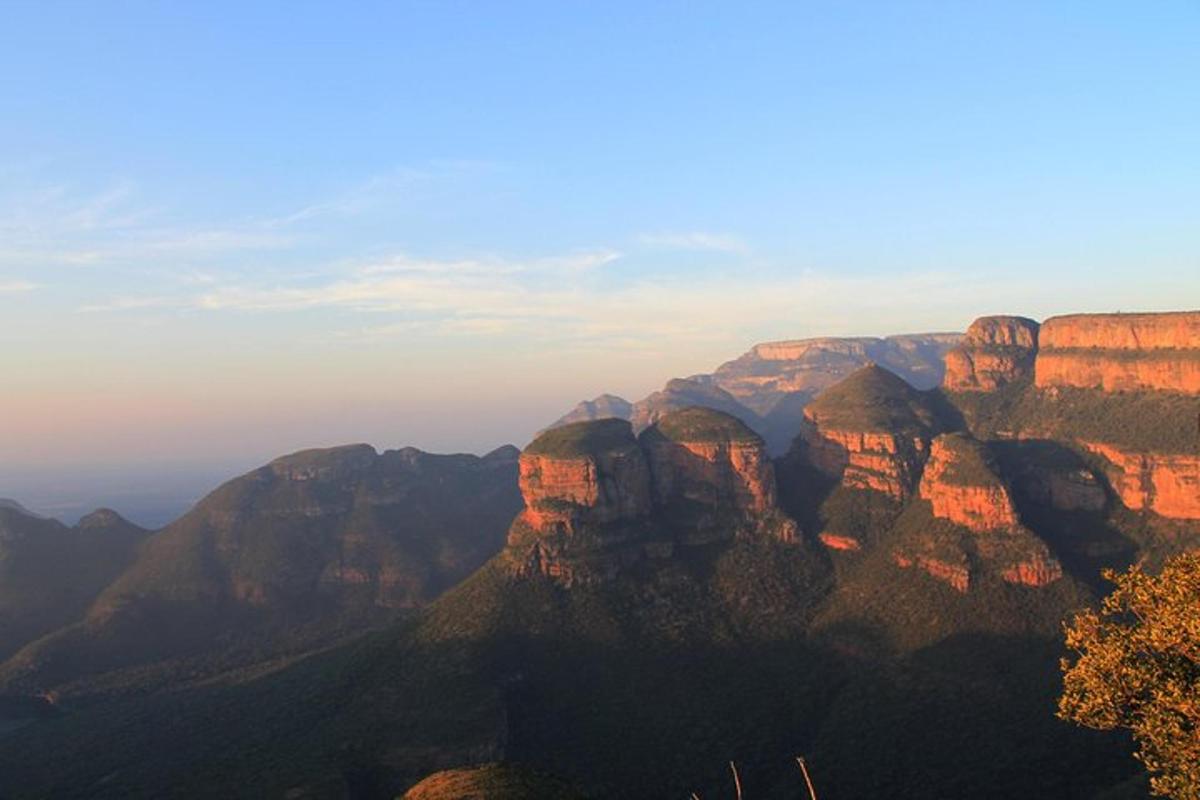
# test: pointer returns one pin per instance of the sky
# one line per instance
(232, 230)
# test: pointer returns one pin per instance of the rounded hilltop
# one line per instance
(490, 782)
(587, 438)
(698, 424)
(966, 460)
(871, 399)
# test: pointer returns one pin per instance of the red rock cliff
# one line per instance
(1168, 485)
(1121, 352)
(985, 534)
(599, 482)
(712, 474)
(962, 488)
(996, 351)
(870, 431)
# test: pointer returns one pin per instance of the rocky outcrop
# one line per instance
(588, 503)
(568, 489)
(871, 431)
(975, 528)
(955, 574)
(995, 352)
(1121, 352)
(712, 477)
(962, 487)
(598, 499)
(1166, 484)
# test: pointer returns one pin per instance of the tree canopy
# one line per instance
(1137, 667)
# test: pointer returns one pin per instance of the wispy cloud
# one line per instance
(694, 241)
(16, 287)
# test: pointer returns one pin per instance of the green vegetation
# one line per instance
(968, 461)
(590, 437)
(697, 424)
(872, 399)
(1159, 422)
(1137, 667)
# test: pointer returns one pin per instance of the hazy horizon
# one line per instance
(227, 233)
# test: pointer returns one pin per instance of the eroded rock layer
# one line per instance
(598, 499)
(996, 351)
(1167, 484)
(1121, 352)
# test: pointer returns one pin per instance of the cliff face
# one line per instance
(1167, 484)
(871, 431)
(995, 351)
(1121, 352)
(962, 488)
(598, 499)
(712, 477)
(978, 529)
(567, 492)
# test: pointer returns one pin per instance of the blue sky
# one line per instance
(230, 230)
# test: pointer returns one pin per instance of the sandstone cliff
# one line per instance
(598, 499)
(871, 431)
(975, 528)
(1167, 484)
(1121, 352)
(996, 351)
(712, 477)
(962, 486)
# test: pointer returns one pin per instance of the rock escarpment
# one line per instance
(1121, 352)
(599, 499)
(975, 527)
(1167, 484)
(995, 352)
(871, 431)
(588, 502)
(712, 478)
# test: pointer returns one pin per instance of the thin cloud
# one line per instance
(17, 287)
(694, 241)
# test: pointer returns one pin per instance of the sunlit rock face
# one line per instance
(599, 499)
(962, 488)
(996, 351)
(984, 533)
(588, 503)
(712, 477)
(1167, 484)
(871, 431)
(1121, 352)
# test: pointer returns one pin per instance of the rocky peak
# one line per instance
(712, 476)
(996, 351)
(1121, 352)
(961, 484)
(974, 527)
(871, 431)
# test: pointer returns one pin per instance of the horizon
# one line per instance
(230, 233)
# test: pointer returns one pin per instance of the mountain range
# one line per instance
(644, 594)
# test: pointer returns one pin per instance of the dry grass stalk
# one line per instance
(812, 793)
(737, 780)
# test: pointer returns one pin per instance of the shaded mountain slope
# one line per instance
(320, 541)
(50, 574)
